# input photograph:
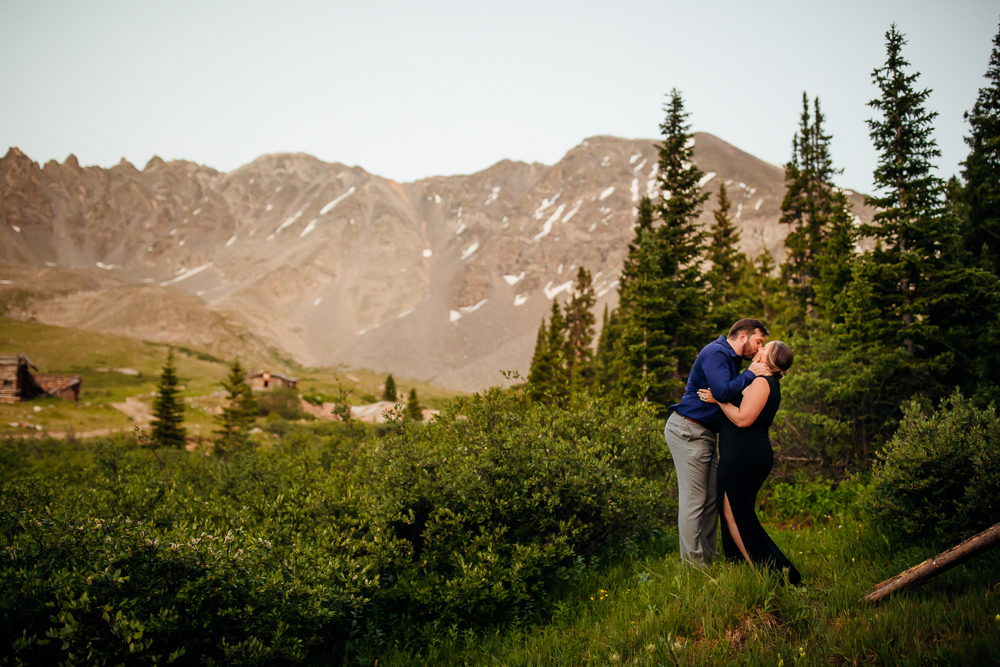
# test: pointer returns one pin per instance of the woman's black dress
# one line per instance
(745, 461)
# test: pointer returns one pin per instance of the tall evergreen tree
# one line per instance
(558, 383)
(681, 246)
(548, 379)
(168, 408)
(807, 206)
(606, 361)
(981, 170)
(541, 365)
(909, 225)
(762, 296)
(236, 417)
(414, 411)
(389, 392)
(643, 350)
(835, 264)
(580, 331)
(728, 266)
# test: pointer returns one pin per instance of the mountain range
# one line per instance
(445, 279)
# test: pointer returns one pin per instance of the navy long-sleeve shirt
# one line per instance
(718, 368)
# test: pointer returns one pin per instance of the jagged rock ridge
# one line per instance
(444, 279)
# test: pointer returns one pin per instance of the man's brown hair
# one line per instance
(749, 325)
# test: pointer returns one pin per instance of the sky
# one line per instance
(408, 90)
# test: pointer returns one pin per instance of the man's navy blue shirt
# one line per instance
(717, 367)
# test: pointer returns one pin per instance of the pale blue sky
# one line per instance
(414, 89)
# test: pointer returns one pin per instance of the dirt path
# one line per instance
(139, 412)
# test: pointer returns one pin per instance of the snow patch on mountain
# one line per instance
(329, 207)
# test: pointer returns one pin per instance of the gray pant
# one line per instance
(696, 459)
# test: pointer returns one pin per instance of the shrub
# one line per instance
(938, 477)
(228, 585)
(282, 401)
(817, 498)
(475, 516)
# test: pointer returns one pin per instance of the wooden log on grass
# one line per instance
(943, 562)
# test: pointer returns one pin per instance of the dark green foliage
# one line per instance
(281, 402)
(933, 303)
(389, 393)
(239, 414)
(607, 365)
(208, 562)
(834, 265)
(727, 277)
(296, 552)
(541, 365)
(479, 514)
(168, 408)
(580, 332)
(807, 207)
(938, 477)
(981, 170)
(549, 376)
(915, 239)
(648, 366)
(663, 300)
(414, 411)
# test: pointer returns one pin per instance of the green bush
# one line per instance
(288, 553)
(201, 562)
(816, 498)
(474, 517)
(937, 479)
(282, 401)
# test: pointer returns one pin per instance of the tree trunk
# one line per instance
(943, 562)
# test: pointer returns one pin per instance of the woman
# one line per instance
(745, 461)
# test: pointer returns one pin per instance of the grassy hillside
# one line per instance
(95, 357)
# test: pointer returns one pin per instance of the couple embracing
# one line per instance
(735, 409)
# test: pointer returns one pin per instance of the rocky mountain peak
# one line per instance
(445, 278)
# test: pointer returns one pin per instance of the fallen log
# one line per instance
(943, 562)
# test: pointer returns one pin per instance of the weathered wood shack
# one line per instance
(266, 380)
(60, 385)
(18, 384)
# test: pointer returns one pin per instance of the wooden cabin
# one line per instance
(18, 384)
(266, 380)
(60, 385)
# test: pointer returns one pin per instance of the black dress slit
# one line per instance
(745, 461)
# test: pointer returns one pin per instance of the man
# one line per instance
(692, 432)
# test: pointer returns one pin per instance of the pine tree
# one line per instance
(807, 206)
(168, 408)
(981, 170)
(835, 265)
(910, 222)
(389, 392)
(580, 332)
(762, 296)
(414, 411)
(237, 416)
(728, 266)
(558, 381)
(541, 365)
(648, 367)
(606, 361)
(548, 379)
(680, 246)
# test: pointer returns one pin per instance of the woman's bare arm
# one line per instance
(754, 399)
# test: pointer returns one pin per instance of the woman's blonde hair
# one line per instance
(780, 358)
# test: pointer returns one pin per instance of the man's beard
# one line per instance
(749, 357)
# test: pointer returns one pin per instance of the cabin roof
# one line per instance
(282, 376)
